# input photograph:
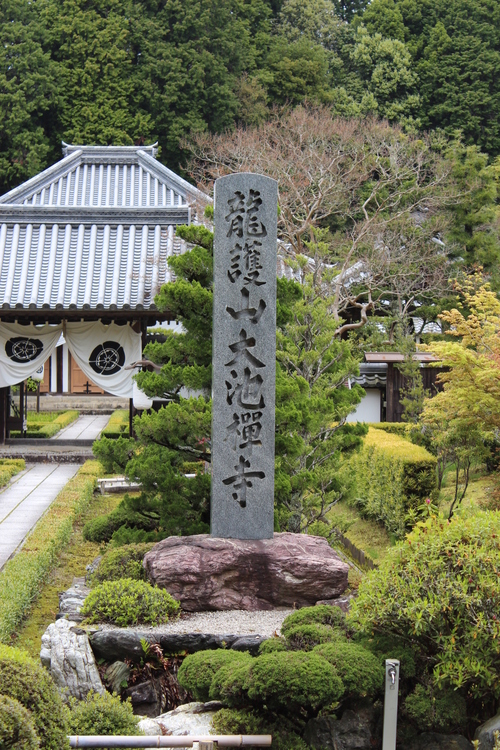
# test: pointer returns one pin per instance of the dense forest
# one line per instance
(137, 71)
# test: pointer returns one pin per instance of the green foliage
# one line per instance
(118, 424)
(293, 680)
(436, 710)
(439, 590)
(17, 729)
(102, 714)
(26, 681)
(391, 647)
(198, 670)
(113, 453)
(237, 721)
(127, 602)
(22, 577)
(230, 684)
(121, 562)
(272, 645)
(305, 637)
(393, 477)
(9, 467)
(321, 614)
(47, 424)
(361, 671)
(127, 514)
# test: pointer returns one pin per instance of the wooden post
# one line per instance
(3, 414)
(389, 393)
(130, 417)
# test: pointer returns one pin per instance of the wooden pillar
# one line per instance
(389, 393)
(4, 393)
(59, 377)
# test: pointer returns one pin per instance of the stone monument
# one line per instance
(244, 356)
(243, 564)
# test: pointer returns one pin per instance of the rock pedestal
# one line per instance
(206, 573)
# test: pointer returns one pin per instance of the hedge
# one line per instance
(46, 424)
(22, 577)
(118, 425)
(392, 476)
(9, 467)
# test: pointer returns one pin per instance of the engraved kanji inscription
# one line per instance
(242, 480)
(248, 392)
(252, 313)
(240, 350)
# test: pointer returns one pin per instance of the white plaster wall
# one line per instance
(368, 410)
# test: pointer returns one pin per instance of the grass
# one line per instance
(368, 535)
(9, 467)
(71, 563)
(46, 424)
(22, 578)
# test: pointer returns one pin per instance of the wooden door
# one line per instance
(79, 382)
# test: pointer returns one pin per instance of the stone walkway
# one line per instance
(25, 500)
(87, 427)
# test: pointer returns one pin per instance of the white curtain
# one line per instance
(103, 353)
(23, 349)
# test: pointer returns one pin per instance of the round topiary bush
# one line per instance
(121, 562)
(102, 714)
(293, 680)
(233, 721)
(230, 684)
(321, 614)
(197, 670)
(17, 729)
(306, 637)
(29, 683)
(128, 602)
(272, 645)
(361, 671)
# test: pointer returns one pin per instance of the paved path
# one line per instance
(25, 500)
(87, 427)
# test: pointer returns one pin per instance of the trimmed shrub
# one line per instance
(17, 729)
(102, 714)
(230, 684)
(272, 645)
(444, 711)
(392, 478)
(121, 562)
(361, 671)
(391, 647)
(293, 680)
(22, 577)
(128, 602)
(197, 670)
(439, 590)
(118, 425)
(9, 467)
(102, 528)
(306, 637)
(321, 614)
(395, 428)
(26, 681)
(234, 721)
(46, 424)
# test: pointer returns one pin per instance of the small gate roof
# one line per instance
(93, 232)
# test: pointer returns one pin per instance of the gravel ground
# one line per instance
(232, 622)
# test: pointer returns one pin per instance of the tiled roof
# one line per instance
(94, 231)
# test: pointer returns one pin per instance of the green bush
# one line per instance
(17, 729)
(321, 614)
(306, 637)
(197, 670)
(439, 590)
(46, 424)
(394, 428)
(118, 425)
(272, 645)
(439, 711)
(392, 478)
(289, 681)
(102, 714)
(230, 684)
(102, 528)
(391, 647)
(26, 681)
(128, 602)
(233, 721)
(22, 577)
(9, 467)
(121, 562)
(114, 454)
(361, 671)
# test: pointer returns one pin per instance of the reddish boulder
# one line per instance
(206, 573)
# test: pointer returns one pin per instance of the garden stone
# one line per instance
(67, 654)
(484, 733)
(71, 600)
(343, 602)
(206, 573)
(250, 643)
(146, 697)
(352, 732)
(190, 718)
(432, 741)
(117, 674)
